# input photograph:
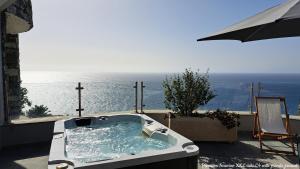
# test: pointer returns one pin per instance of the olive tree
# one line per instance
(38, 111)
(185, 92)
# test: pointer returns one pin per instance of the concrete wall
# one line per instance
(246, 120)
(295, 124)
(18, 134)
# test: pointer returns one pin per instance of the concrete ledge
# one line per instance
(246, 120)
(26, 120)
(18, 134)
(198, 129)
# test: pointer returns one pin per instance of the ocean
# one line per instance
(111, 92)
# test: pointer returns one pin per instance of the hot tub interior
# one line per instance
(101, 138)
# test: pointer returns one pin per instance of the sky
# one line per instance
(149, 36)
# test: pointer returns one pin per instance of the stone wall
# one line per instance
(19, 17)
(2, 108)
(12, 74)
(22, 9)
(19, 10)
(4, 112)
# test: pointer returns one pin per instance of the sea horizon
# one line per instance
(111, 92)
(26, 76)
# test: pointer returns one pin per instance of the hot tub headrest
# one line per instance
(83, 121)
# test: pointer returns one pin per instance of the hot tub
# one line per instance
(119, 141)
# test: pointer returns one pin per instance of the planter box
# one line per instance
(198, 129)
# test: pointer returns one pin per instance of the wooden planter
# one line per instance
(198, 129)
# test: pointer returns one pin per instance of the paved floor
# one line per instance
(25, 157)
(242, 154)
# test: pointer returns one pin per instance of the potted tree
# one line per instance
(184, 94)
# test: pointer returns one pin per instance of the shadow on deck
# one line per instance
(33, 156)
(244, 154)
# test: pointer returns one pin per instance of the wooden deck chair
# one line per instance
(268, 121)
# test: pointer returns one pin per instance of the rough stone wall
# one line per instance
(2, 67)
(22, 9)
(2, 93)
(10, 58)
(12, 74)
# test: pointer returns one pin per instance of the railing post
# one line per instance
(136, 97)
(298, 112)
(259, 88)
(79, 88)
(251, 97)
(142, 96)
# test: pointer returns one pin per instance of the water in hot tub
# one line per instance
(108, 141)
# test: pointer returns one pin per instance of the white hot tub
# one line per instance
(119, 141)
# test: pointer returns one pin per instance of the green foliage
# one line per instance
(185, 93)
(21, 98)
(229, 120)
(24, 100)
(38, 111)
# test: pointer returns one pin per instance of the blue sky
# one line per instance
(149, 36)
